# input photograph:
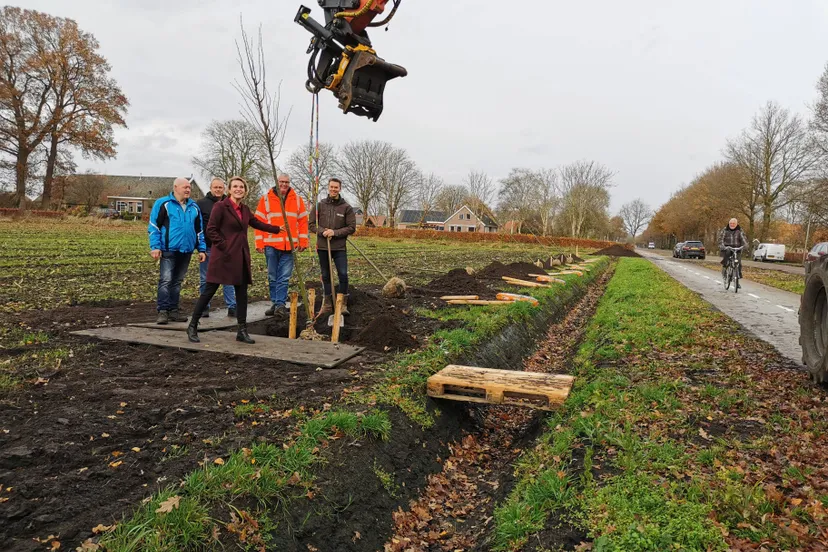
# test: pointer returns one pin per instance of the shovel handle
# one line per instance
(369, 260)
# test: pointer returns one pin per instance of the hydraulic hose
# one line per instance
(390, 16)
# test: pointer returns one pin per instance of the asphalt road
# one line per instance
(755, 264)
(769, 313)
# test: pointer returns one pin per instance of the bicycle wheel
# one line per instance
(728, 276)
(724, 276)
(735, 280)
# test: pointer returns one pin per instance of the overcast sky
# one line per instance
(650, 88)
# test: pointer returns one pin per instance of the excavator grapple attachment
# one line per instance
(342, 59)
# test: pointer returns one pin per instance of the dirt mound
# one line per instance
(514, 270)
(382, 334)
(617, 251)
(458, 282)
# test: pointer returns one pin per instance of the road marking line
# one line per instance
(708, 277)
(754, 296)
(786, 308)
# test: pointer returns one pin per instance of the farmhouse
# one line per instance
(462, 220)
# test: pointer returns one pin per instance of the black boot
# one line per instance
(192, 331)
(242, 334)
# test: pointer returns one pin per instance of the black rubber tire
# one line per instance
(813, 323)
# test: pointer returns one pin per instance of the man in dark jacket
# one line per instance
(732, 236)
(333, 219)
(206, 203)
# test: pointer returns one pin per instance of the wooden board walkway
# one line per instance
(297, 351)
(218, 319)
(506, 387)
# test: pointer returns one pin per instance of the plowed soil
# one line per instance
(459, 282)
(497, 270)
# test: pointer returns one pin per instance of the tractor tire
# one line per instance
(813, 323)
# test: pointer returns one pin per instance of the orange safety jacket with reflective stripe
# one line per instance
(270, 212)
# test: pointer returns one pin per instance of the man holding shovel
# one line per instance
(333, 220)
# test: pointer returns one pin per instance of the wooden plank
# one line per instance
(563, 272)
(547, 278)
(315, 353)
(457, 297)
(517, 297)
(506, 387)
(524, 283)
(477, 302)
(218, 319)
(294, 311)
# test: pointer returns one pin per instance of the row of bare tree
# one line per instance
(384, 179)
(775, 170)
(56, 98)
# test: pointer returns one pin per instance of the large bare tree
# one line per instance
(302, 166)
(362, 165)
(451, 197)
(635, 216)
(585, 193)
(777, 152)
(519, 194)
(55, 89)
(85, 189)
(234, 148)
(481, 191)
(426, 195)
(548, 198)
(398, 182)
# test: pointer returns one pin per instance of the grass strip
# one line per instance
(404, 378)
(627, 459)
(267, 474)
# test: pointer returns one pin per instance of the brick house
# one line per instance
(462, 220)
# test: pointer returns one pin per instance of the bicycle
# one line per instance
(730, 271)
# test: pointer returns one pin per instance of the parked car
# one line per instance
(677, 249)
(818, 251)
(651, 245)
(692, 249)
(769, 252)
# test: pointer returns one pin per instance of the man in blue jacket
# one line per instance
(175, 231)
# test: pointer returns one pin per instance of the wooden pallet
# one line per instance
(506, 387)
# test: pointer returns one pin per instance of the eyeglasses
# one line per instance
(284, 182)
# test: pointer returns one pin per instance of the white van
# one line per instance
(769, 252)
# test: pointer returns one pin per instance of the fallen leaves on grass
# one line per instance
(247, 528)
(168, 505)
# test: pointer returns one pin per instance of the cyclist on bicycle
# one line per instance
(732, 236)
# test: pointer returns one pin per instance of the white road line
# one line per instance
(708, 277)
(754, 296)
(786, 308)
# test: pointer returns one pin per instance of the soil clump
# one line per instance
(497, 270)
(458, 282)
(382, 334)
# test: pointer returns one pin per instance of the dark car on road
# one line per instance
(677, 249)
(691, 249)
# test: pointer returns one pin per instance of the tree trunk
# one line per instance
(21, 171)
(46, 198)
(766, 219)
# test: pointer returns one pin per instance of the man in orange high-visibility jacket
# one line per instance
(276, 247)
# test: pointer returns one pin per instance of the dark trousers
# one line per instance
(340, 259)
(726, 257)
(210, 290)
(174, 267)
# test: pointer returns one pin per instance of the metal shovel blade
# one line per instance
(331, 320)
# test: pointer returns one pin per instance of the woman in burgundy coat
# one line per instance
(230, 256)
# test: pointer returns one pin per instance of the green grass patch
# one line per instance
(631, 493)
(270, 474)
(404, 377)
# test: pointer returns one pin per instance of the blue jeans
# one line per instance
(279, 269)
(340, 259)
(174, 267)
(229, 291)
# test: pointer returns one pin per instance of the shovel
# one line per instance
(333, 294)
